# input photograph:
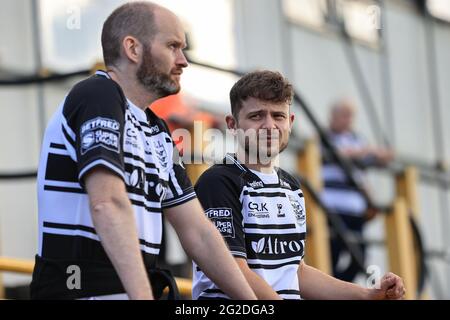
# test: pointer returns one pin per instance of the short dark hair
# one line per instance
(263, 85)
(131, 19)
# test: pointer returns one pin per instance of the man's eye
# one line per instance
(255, 116)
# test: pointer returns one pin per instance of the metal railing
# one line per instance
(299, 101)
(23, 266)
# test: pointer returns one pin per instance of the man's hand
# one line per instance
(391, 288)
(370, 214)
(384, 155)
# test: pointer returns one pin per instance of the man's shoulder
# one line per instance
(220, 173)
(288, 178)
(95, 90)
(95, 86)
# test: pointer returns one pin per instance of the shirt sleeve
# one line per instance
(180, 186)
(94, 115)
(219, 196)
(181, 189)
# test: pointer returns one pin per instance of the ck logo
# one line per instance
(260, 207)
(258, 210)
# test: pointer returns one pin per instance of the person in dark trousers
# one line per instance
(339, 195)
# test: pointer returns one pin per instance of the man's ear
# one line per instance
(291, 122)
(133, 49)
(231, 122)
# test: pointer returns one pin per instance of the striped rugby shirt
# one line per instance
(339, 194)
(96, 126)
(262, 221)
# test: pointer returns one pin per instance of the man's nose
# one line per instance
(269, 123)
(181, 59)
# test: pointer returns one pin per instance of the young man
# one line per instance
(259, 208)
(106, 173)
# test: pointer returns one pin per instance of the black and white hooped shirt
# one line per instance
(262, 219)
(339, 194)
(96, 126)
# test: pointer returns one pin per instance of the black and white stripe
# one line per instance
(66, 231)
(268, 220)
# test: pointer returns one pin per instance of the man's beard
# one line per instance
(263, 153)
(153, 80)
(257, 150)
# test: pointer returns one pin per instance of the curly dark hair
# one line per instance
(263, 85)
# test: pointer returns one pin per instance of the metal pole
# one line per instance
(36, 29)
(386, 80)
(363, 88)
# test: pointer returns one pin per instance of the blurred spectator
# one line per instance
(177, 113)
(339, 195)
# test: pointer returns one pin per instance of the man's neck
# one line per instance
(132, 89)
(263, 168)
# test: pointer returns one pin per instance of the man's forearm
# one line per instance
(259, 286)
(316, 285)
(116, 228)
(214, 258)
(209, 251)
(204, 244)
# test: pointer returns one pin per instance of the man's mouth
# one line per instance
(268, 138)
